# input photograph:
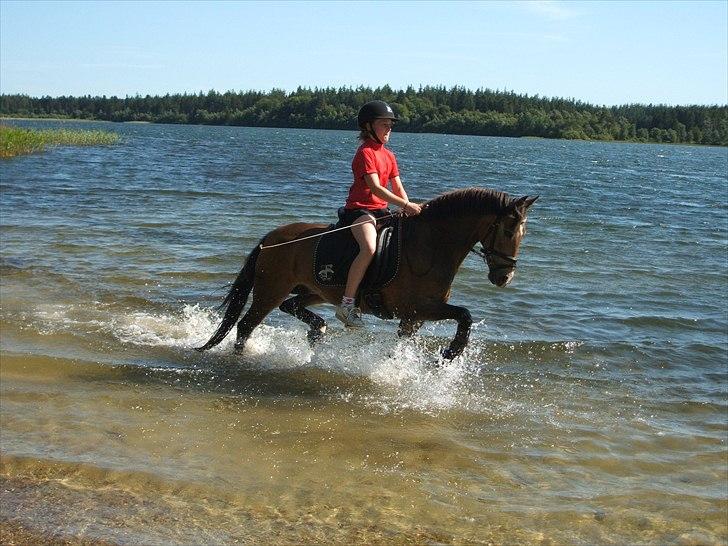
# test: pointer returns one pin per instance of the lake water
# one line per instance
(589, 408)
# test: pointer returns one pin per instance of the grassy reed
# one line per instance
(17, 141)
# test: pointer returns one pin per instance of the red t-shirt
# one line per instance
(371, 157)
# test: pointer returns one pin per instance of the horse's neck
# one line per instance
(453, 238)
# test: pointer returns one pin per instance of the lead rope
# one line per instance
(327, 232)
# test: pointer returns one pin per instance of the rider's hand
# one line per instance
(412, 209)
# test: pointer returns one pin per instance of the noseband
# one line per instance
(494, 259)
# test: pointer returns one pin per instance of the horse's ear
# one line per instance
(528, 201)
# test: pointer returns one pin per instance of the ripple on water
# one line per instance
(588, 408)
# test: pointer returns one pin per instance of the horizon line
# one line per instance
(365, 88)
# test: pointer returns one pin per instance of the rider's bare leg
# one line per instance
(366, 236)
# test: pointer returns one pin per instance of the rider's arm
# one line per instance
(397, 197)
(398, 188)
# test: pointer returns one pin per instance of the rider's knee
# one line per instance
(368, 248)
(366, 236)
(368, 245)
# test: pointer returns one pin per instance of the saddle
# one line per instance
(334, 253)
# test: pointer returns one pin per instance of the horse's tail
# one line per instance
(235, 300)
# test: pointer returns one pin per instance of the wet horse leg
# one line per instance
(259, 309)
(462, 335)
(408, 327)
(296, 306)
(446, 311)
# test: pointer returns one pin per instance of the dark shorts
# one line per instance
(349, 216)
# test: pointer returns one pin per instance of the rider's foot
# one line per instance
(349, 315)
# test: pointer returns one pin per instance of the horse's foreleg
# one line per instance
(465, 321)
(462, 335)
(296, 306)
(408, 327)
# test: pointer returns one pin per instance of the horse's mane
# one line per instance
(466, 201)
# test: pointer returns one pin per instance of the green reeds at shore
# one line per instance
(17, 141)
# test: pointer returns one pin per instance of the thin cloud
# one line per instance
(557, 38)
(122, 65)
(551, 9)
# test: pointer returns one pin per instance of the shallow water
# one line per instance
(590, 406)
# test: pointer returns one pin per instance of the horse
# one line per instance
(280, 269)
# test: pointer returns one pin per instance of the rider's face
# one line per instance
(383, 128)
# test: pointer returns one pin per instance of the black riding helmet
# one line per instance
(375, 109)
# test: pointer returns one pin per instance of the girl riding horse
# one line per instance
(280, 271)
(374, 167)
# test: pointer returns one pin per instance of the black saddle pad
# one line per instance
(335, 251)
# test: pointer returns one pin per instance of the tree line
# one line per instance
(430, 109)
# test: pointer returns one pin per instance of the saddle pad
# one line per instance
(335, 252)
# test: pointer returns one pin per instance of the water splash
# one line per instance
(399, 374)
(185, 329)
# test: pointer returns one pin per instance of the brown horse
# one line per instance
(435, 243)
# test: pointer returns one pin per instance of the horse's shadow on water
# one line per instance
(234, 375)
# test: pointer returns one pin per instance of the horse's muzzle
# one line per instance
(501, 277)
(501, 267)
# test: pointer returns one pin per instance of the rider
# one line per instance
(374, 167)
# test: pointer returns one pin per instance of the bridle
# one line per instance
(493, 258)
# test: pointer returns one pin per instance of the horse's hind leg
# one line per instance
(259, 309)
(296, 306)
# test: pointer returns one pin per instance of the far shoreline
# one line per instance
(11, 118)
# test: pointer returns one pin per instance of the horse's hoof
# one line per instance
(239, 348)
(449, 354)
(314, 336)
(436, 364)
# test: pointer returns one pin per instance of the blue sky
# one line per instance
(599, 52)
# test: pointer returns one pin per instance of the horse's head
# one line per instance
(502, 240)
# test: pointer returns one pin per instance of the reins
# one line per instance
(486, 253)
(391, 214)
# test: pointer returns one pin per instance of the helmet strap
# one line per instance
(370, 128)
